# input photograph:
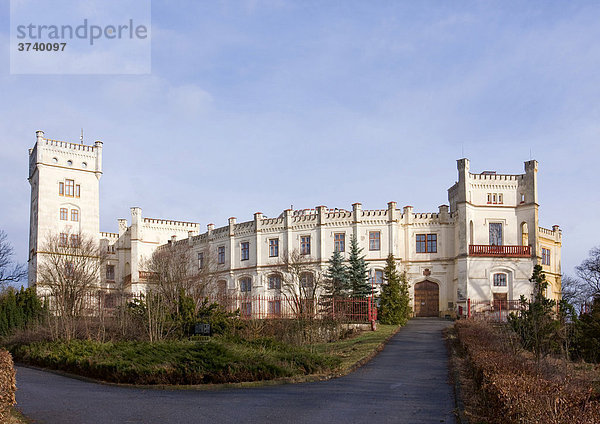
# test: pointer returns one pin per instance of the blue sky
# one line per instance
(257, 105)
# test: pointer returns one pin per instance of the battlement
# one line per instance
(171, 223)
(486, 176)
(69, 145)
(109, 236)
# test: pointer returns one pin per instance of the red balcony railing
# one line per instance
(504, 251)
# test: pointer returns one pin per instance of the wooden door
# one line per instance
(500, 301)
(427, 299)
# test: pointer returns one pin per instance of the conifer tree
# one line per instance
(336, 277)
(357, 271)
(394, 300)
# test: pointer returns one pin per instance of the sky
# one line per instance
(258, 105)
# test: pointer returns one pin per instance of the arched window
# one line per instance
(245, 284)
(306, 280)
(376, 277)
(274, 282)
(500, 279)
(471, 238)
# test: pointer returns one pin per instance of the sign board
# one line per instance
(202, 329)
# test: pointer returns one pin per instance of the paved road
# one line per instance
(406, 383)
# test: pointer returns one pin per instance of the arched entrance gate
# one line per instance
(427, 299)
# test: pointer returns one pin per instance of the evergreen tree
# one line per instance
(536, 324)
(394, 300)
(358, 275)
(336, 277)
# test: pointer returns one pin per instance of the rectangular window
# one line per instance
(305, 245)
(64, 214)
(374, 240)
(200, 260)
(500, 199)
(64, 240)
(77, 190)
(426, 243)
(495, 234)
(274, 308)
(500, 280)
(245, 251)
(339, 242)
(376, 277)
(110, 272)
(74, 215)
(246, 285)
(432, 243)
(274, 282)
(489, 198)
(273, 247)
(69, 188)
(221, 255)
(74, 240)
(61, 188)
(545, 256)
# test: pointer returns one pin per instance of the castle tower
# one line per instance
(64, 179)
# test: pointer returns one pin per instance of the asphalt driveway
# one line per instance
(406, 383)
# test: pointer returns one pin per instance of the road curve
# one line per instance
(406, 383)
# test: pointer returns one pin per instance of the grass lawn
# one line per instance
(220, 360)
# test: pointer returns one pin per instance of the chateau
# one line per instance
(482, 246)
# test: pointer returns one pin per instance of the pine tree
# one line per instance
(394, 299)
(536, 324)
(336, 277)
(357, 271)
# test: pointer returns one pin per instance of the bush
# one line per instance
(7, 384)
(220, 360)
(515, 389)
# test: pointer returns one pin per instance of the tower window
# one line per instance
(64, 214)
(61, 188)
(77, 190)
(110, 272)
(374, 240)
(74, 215)
(70, 188)
(221, 255)
(426, 243)
(305, 245)
(273, 247)
(63, 240)
(200, 260)
(545, 256)
(339, 241)
(245, 251)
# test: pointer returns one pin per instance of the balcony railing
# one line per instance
(501, 251)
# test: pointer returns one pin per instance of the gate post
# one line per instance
(469, 308)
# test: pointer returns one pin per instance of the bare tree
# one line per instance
(173, 272)
(69, 272)
(301, 283)
(10, 272)
(589, 272)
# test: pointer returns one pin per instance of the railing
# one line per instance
(503, 251)
(348, 310)
(493, 310)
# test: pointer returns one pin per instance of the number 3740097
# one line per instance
(41, 47)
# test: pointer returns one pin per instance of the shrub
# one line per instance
(514, 388)
(7, 384)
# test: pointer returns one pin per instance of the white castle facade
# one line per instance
(482, 246)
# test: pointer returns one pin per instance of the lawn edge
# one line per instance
(310, 378)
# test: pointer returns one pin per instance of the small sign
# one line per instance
(202, 329)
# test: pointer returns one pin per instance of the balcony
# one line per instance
(500, 251)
